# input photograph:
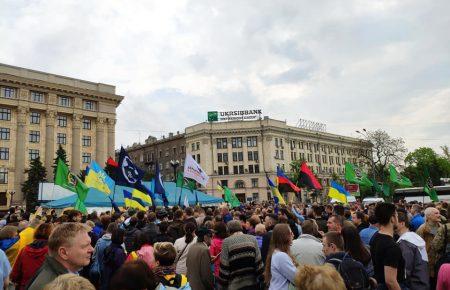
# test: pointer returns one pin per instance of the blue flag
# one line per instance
(159, 186)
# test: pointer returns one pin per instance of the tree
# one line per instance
(385, 150)
(446, 152)
(60, 154)
(425, 161)
(30, 188)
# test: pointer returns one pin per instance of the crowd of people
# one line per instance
(255, 246)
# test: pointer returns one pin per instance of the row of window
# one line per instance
(236, 142)
(39, 97)
(240, 183)
(35, 137)
(238, 156)
(34, 153)
(318, 147)
(238, 169)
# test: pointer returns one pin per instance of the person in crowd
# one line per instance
(198, 261)
(443, 279)
(414, 253)
(163, 236)
(367, 233)
(388, 262)
(131, 235)
(10, 242)
(241, 266)
(151, 228)
(200, 215)
(165, 255)
(114, 256)
(99, 252)
(354, 246)
(70, 281)
(417, 219)
(182, 246)
(269, 222)
(335, 223)
(251, 224)
(440, 247)
(176, 228)
(134, 275)
(307, 249)
(313, 277)
(74, 216)
(142, 219)
(340, 210)
(428, 231)
(260, 231)
(292, 221)
(27, 234)
(189, 216)
(320, 220)
(145, 250)
(358, 219)
(333, 248)
(31, 258)
(280, 267)
(226, 215)
(69, 250)
(5, 270)
(220, 233)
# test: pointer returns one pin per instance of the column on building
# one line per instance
(50, 142)
(100, 150)
(20, 152)
(76, 143)
(111, 137)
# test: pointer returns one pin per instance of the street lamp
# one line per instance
(11, 193)
(174, 164)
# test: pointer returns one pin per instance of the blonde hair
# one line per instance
(311, 277)
(260, 229)
(70, 282)
(64, 234)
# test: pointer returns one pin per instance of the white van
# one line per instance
(369, 200)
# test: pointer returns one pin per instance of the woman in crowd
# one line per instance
(134, 275)
(280, 267)
(165, 255)
(145, 251)
(312, 277)
(182, 246)
(31, 258)
(220, 233)
(113, 258)
(355, 247)
(70, 282)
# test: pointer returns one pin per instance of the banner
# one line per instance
(194, 171)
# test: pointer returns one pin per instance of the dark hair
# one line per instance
(117, 236)
(220, 229)
(134, 275)
(338, 219)
(189, 229)
(111, 227)
(189, 211)
(354, 245)
(151, 217)
(43, 231)
(336, 239)
(133, 221)
(372, 219)
(144, 238)
(178, 214)
(165, 253)
(140, 215)
(384, 211)
(317, 210)
(339, 210)
(403, 218)
(360, 215)
(105, 220)
(163, 226)
(310, 227)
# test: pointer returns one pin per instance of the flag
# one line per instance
(114, 204)
(230, 197)
(354, 175)
(308, 178)
(98, 179)
(159, 186)
(186, 200)
(386, 189)
(180, 179)
(277, 197)
(111, 162)
(129, 175)
(397, 178)
(429, 188)
(136, 199)
(194, 171)
(338, 192)
(283, 179)
(70, 181)
(375, 185)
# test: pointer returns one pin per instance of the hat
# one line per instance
(202, 231)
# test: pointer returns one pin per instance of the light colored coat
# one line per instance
(307, 250)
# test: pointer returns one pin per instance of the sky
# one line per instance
(349, 64)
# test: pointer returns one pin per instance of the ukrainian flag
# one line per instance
(278, 198)
(338, 192)
(136, 199)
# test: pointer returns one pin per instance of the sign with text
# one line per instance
(241, 115)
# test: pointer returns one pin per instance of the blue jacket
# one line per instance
(416, 222)
(97, 256)
(367, 234)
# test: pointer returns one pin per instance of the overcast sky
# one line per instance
(349, 64)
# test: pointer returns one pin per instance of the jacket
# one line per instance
(184, 284)
(46, 274)
(152, 230)
(438, 245)
(26, 237)
(97, 257)
(113, 259)
(338, 255)
(11, 248)
(307, 249)
(214, 250)
(415, 256)
(425, 232)
(28, 262)
(198, 264)
(130, 239)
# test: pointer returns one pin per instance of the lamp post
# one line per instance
(174, 164)
(11, 193)
(366, 137)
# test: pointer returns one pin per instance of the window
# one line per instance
(9, 93)
(238, 156)
(254, 182)
(33, 153)
(182, 149)
(252, 155)
(86, 141)
(252, 141)
(221, 143)
(37, 97)
(224, 182)
(4, 133)
(160, 154)
(35, 136)
(61, 138)
(239, 184)
(3, 175)
(301, 145)
(255, 196)
(197, 145)
(5, 114)
(198, 158)
(64, 101)
(281, 142)
(324, 159)
(220, 170)
(281, 155)
(292, 144)
(4, 153)
(86, 157)
(277, 154)
(331, 160)
(238, 169)
(87, 124)
(276, 142)
(193, 147)
(253, 168)
(223, 170)
(236, 142)
(309, 157)
(62, 121)
(35, 118)
(89, 105)
(174, 150)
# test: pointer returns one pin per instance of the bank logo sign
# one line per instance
(244, 115)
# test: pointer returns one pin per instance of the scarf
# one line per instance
(161, 271)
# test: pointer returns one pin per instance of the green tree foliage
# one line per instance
(423, 159)
(30, 188)
(60, 154)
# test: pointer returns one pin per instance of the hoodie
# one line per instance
(416, 260)
(415, 239)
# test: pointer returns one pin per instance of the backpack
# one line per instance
(445, 258)
(353, 273)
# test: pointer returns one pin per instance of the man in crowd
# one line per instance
(307, 249)
(333, 248)
(269, 222)
(367, 233)
(69, 248)
(358, 219)
(335, 223)
(198, 262)
(320, 220)
(417, 219)
(176, 229)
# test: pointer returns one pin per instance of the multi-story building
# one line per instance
(40, 111)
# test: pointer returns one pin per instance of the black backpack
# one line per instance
(353, 273)
(445, 258)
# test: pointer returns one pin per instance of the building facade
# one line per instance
(40, 111)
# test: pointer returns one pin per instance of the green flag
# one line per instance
(69, 181)
(398, 178)
(375, 185)
(429, 189)
(180, 179)
(230, 197)
(386, 189)
(354, 175)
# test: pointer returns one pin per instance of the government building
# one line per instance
(40, 111)
(239, 154)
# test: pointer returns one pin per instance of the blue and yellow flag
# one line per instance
(99, 179)
(136, 199)
(338, 192)
(277, 197)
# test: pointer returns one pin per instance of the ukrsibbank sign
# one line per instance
(242, 115)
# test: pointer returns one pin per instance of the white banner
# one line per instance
(194, 171)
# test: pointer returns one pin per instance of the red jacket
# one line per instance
(29, 260)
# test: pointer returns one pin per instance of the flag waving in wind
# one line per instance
(429, 188)
(338, 192)
(194, 171)
(308, 178)
(278, 198)
(354, 175)
(159, 186)
(283, 179)
(98, 179)
(395, 177)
